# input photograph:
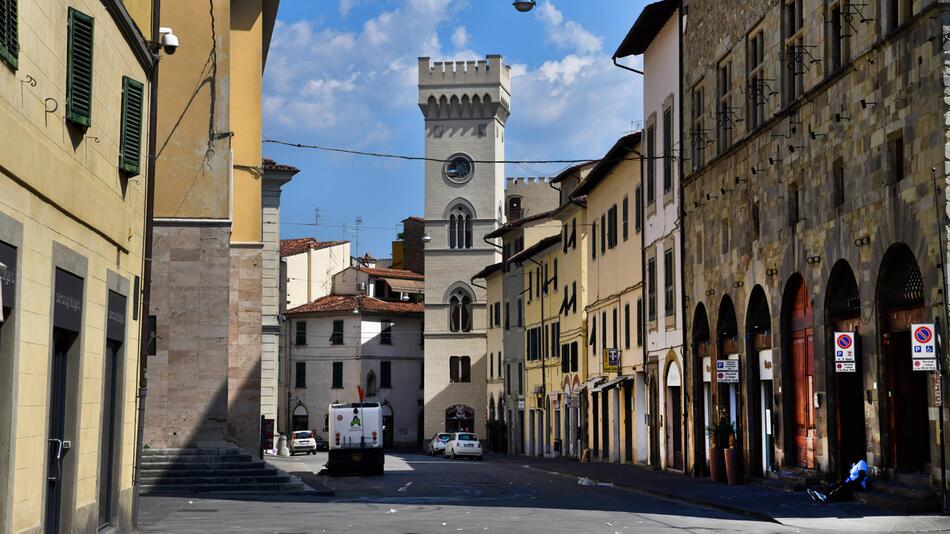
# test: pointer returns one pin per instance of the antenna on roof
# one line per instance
(316, 221)
(359, 221)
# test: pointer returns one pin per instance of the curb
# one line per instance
(668, 496)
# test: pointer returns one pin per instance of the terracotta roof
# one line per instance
(535, 248)
(614, 156)
(570, 170)
(362, 303)
(393, 273)
(645, 29)
(271, 165)
(413, 218)
(289, 247)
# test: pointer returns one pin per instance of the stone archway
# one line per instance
(798, 374)
(846, 414)
(757, 376)
(673, 380)
(900, 303)
(700, 386)
(300, 420)
(459, 418)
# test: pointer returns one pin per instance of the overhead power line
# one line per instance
(438, 160)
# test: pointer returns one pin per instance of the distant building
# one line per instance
(310, 267)
(368, 332)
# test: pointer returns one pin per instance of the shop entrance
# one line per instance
(799, 374)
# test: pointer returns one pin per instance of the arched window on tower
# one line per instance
(460, 311)
(460, 227)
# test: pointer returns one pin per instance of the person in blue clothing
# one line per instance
(857, 480)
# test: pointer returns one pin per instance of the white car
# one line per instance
(463, 444)
(436, 445)
(302, 441)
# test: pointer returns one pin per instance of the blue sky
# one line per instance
(343, 73)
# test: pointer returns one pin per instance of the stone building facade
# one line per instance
(813, 143)
(465, 106)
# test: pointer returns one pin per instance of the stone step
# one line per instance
(177, 466)
(208, 472)
(199, 481)
(293, 487)
(901, 489)
(197, 458)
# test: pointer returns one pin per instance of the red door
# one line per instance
(802, 375)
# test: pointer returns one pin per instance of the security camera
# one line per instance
(168, 40)
(426, 238)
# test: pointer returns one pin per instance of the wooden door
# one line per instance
(802, 378)
(906, 406)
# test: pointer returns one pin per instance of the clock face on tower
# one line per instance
(459, 168)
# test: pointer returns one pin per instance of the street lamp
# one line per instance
(524, 5)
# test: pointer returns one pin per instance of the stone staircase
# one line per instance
(224, 470)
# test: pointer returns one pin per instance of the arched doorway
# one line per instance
(798, 376)
(300, 418)
(702, 393)
(674, 416)
(758, 378)
(900, 296)
(459, 418)
(846, 415)
(654, 421)
(728, 394)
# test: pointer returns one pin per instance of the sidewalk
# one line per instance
(758, 502)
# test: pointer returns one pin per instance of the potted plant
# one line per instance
(731, 457)
(714, 456)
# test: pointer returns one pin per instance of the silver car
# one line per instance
(436, 445)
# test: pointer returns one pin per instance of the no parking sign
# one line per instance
(923, 345)
(844, 352)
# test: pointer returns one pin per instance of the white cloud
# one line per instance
(570, 34)
(460, 37)
(346, 6)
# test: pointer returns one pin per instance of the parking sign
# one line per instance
(923, 345)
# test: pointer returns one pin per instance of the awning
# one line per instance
(591, 383)
(610, 383)
(405, 286)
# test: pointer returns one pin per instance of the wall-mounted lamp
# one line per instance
(842, 117)
(426, 238)
(524, 5)
(815, 135)
(862, 241)
(771, 272)
(813, 260)
(723, 191)
(738, 284)
(710, 197)
(710, 292)
(773, 161)
(698, 204)
(791, 148)
(756, 171)
(865, 104)
(739, 180)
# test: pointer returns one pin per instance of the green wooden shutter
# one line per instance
(9, 41)
(130, 137)
(79, 69)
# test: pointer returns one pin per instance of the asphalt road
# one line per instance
(420, 495)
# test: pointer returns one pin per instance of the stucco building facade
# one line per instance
(73, 193)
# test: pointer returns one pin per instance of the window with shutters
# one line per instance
(9, 38)
(386, 335)
(301, 375)
(566, 360)
(336, 338)
(626, 326)
(574, 233)
(615, 331)
(507, 315)
(638, 210)
(603, 331)
(574, 363)
(668, 282)
(626, 218)
(385, 374)
(300, 334)
(603, 233)
(667, 150)
(130, 136)
(793, 73)
(460, 369)
(79, 69)
(337, 375)
(554, 278)
(651, 165)
(592, 337)
(651, 289)
(612, 227)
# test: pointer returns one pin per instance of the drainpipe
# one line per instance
(144, 334)
(685, 315)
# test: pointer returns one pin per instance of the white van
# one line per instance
(355, 432)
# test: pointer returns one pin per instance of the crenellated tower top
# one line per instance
(465, 89)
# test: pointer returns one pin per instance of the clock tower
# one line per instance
(465, 105)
